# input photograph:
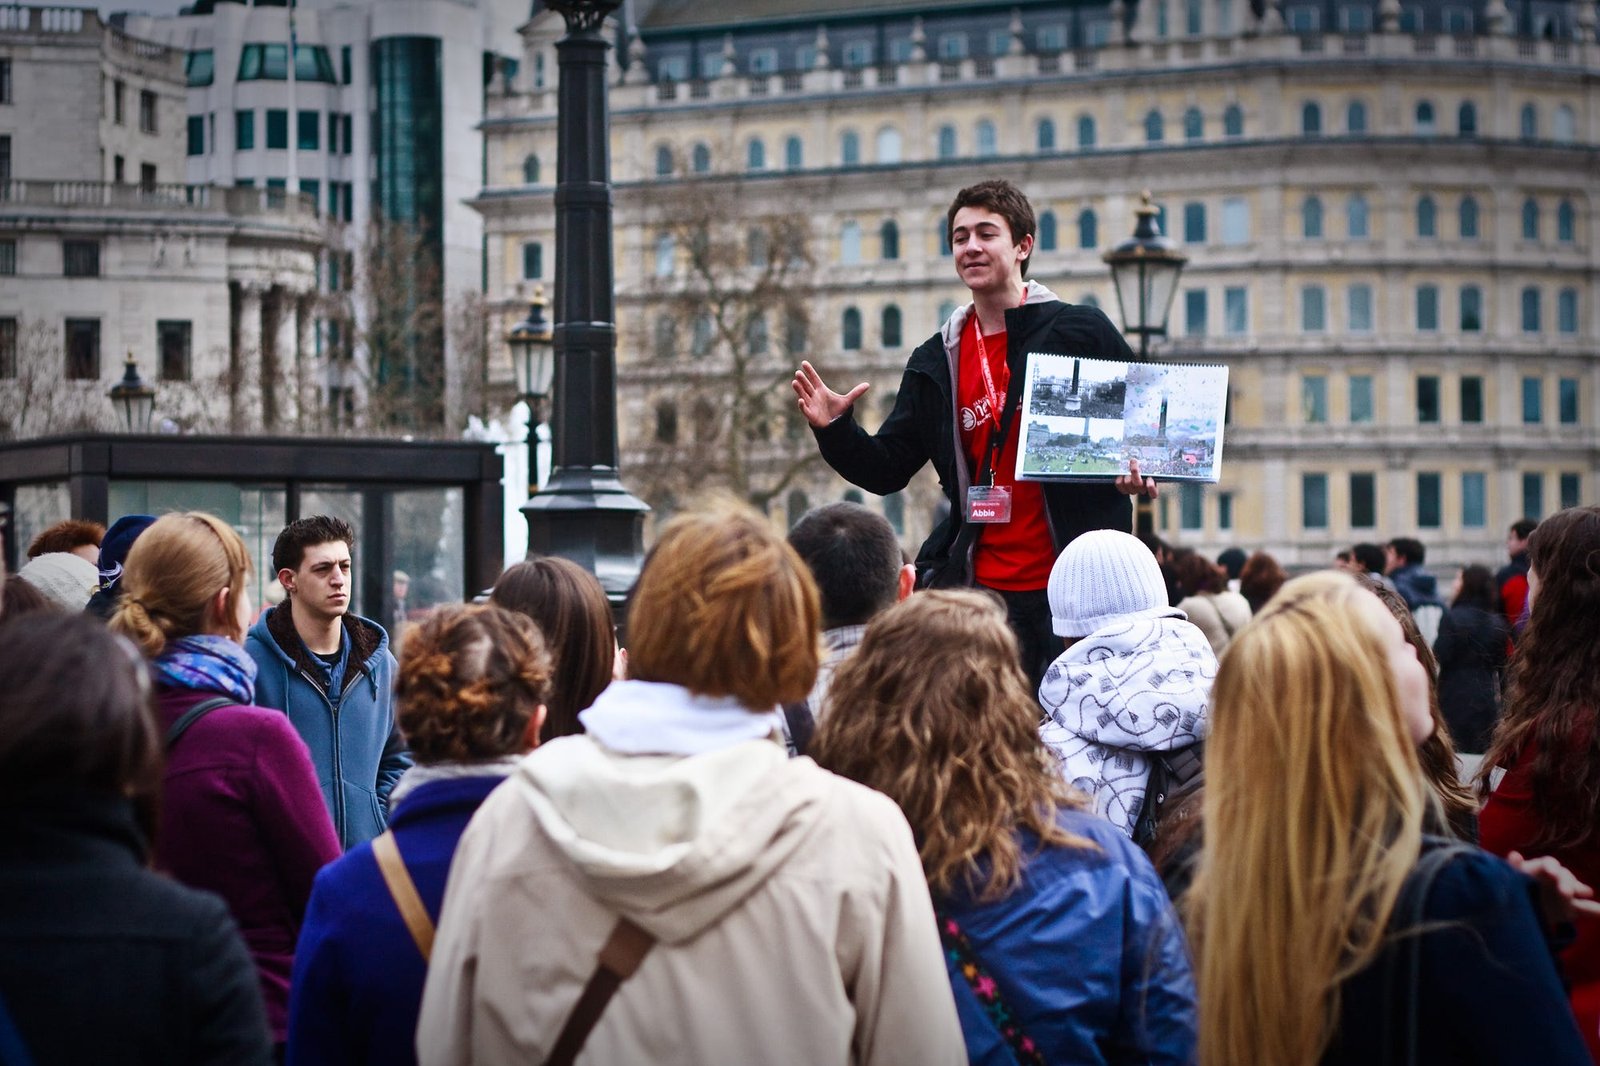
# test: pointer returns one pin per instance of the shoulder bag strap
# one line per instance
(194, 714)
(621, 955)
(1411, 908)
(959, 950)
(404, 891)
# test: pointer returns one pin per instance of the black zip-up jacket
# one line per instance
(923, 428)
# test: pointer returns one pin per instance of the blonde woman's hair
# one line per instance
(174, 571)
(1314, 805)
(724, 607)
(932, 709)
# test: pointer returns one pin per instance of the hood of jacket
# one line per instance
(275, 630)
(1136, 686)
(672, 842)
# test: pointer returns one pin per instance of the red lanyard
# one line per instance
(995, 400)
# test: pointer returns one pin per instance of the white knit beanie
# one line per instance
(1102, 576)
(67, 580)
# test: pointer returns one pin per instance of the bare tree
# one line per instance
(725, 324)
(36, 397)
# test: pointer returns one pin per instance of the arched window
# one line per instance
(1469, 218)
(1566, 223)
(1530, 220)
(663, 160)
(850, 242)
(987, 142)
(888, 145)
(700, 159)
(1045, 135)
(700, 336)
(755, 155)
(797, 505)
(891, 327)
(850, 330)
(1467, 119)
(707, 426)
(942, 229)
(1528, 123)
(1311, 119)
(793, 153)
(1426, 124)
(947, 142)
(1047, 231)
(1088, 229)
(1471, 309)
(666, 337)
(1356, 217)
(795, 331)
(1530, 310)
(1233, 121)
(1090, 300)
(850, 148)
(1311, 218)
(755, 334)
(1085, 131)
(1194, 125)
(946, 309)
(1427, 217)
(889, 239)
(666, 422)
(666, 255)
(530, 170)
(757, 246)
(1355, 117)
(1564, 128)
(1154, 129)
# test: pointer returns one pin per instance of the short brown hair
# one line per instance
(67, 535)
(471, 677)
(724, 607)
(570, 608)
(1005, 200)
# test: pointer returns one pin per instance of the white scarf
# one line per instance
(655, 718)
(418, 775)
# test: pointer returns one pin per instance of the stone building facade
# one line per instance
(105, 253)
(1389, 212)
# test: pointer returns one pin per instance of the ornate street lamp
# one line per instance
(133, 399)
(533, 360)
(583, 513)
(533, 357)
(1144, 270)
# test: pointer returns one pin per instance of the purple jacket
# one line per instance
(242, 816)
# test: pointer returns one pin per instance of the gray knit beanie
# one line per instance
(67, 580)
(1102, 576)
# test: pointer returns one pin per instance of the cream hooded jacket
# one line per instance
(789, 905)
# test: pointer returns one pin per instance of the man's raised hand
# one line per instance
(819, 403)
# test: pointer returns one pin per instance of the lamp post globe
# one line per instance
(1144, 271)
(133, 399)
(533, 356)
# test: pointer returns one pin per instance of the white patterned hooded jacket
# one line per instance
(1138, 685)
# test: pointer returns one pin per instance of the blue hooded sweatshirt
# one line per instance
(349, 726)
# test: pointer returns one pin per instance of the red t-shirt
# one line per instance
(1017, 555)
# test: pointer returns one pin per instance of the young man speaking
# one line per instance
(331, 672)
(958, 408)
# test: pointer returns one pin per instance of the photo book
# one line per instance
(1083, 419)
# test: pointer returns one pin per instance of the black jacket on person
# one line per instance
(105, 961)
(923, 428)
(1471, 649)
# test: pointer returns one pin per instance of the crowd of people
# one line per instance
(1217, 832)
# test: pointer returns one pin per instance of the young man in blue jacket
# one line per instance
(332, 673)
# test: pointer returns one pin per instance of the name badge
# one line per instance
(989, 503)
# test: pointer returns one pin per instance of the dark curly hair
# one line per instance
(471, 678)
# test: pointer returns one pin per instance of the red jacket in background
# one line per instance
(1509, 822)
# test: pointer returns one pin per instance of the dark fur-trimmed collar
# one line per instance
(363, 636)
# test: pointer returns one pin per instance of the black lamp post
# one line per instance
(532, 358)
(583, 513)
(1144, 270)
(133, 399)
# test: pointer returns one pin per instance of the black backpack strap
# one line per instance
(1409, 911)
(802, 725)
(194, 714)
